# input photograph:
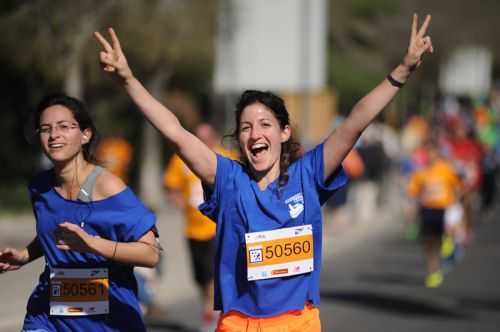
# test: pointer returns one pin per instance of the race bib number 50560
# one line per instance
(278, 253)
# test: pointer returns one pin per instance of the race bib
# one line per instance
(279, 253)
(435, 191)
(79, 292)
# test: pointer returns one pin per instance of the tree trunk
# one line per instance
(150, 163)
(73, 82)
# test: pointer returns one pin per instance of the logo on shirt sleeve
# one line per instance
(295, 205)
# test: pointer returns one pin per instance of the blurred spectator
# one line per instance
(486, 125)
(376, 162)
(414, 133)
(489, 185)
(466, 155)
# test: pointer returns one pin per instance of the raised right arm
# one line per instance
(198, 156)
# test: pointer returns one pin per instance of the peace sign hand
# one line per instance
(112, 58)
(420, 43)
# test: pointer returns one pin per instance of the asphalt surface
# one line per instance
(378, 286)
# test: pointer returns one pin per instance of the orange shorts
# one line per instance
(306, 320)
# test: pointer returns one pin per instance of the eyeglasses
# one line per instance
(62, 127)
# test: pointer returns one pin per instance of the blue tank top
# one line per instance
(121, 217)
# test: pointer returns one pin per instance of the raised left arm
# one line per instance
(340, 142)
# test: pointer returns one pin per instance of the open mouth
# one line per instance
(257, 149)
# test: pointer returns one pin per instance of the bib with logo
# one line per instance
(79, 292)
(279, 253)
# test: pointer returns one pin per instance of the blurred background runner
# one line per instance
(185, 191)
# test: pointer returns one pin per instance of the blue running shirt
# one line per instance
(121, 217)
(238, 206)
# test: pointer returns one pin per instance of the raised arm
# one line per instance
(340, 142)
(199, 158)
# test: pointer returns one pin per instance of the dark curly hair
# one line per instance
(291, 149)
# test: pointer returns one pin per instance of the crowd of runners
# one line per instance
(450, 166)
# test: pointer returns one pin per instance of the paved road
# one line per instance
(378, 286)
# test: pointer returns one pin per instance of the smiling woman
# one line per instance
(268, 206)
(61, 137)
(264, 136)
(91, 229)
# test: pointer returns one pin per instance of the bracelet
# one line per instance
(114, 250)
(394, 82)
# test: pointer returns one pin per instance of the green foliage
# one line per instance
(369, 9)
(19, 158)
(43, 39)
(14, 198)
(358, 57)
(352, 79)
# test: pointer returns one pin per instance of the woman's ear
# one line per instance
(286, 133)
(86, 136)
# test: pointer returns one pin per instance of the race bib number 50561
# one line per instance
(279, 253)
(79, 292)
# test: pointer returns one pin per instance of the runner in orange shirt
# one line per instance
(436, 187)
(185, 190)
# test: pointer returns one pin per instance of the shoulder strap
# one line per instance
(85, 193)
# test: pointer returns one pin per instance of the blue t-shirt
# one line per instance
(238, 206)
(121, 217)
